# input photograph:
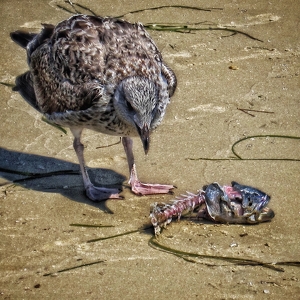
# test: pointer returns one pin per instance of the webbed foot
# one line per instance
(101, 193)
(140, 188)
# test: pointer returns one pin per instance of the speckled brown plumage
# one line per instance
(99, 73)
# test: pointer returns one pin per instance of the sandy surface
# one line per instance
(218, 72)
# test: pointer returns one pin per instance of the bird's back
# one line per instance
(74, 63)
(105, 48)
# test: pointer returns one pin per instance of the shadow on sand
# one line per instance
(53, 175)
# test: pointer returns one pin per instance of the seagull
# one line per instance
(103, 74)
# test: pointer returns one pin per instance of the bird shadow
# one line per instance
(52, 175)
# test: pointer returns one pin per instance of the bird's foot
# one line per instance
(140, 188)
(102, 193)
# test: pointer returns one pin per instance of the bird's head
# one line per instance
(135, 101)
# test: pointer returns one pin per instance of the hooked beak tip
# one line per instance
(145, 137)
(146, 150)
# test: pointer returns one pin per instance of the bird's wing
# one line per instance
(67, 67)
(24, 86)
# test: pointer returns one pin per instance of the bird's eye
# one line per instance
(154, 109)
(129, 106)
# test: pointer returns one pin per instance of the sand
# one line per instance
(222, 75)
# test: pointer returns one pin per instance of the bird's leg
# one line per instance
(138, 187)
(94, 193)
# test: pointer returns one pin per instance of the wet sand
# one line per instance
(219, 73)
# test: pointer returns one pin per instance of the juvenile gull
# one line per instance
(103, 74)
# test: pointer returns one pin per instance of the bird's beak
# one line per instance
(145, 137)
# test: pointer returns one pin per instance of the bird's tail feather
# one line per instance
(22, 38)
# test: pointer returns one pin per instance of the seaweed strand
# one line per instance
(238, 157)
(234, 260)
(76, 267)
